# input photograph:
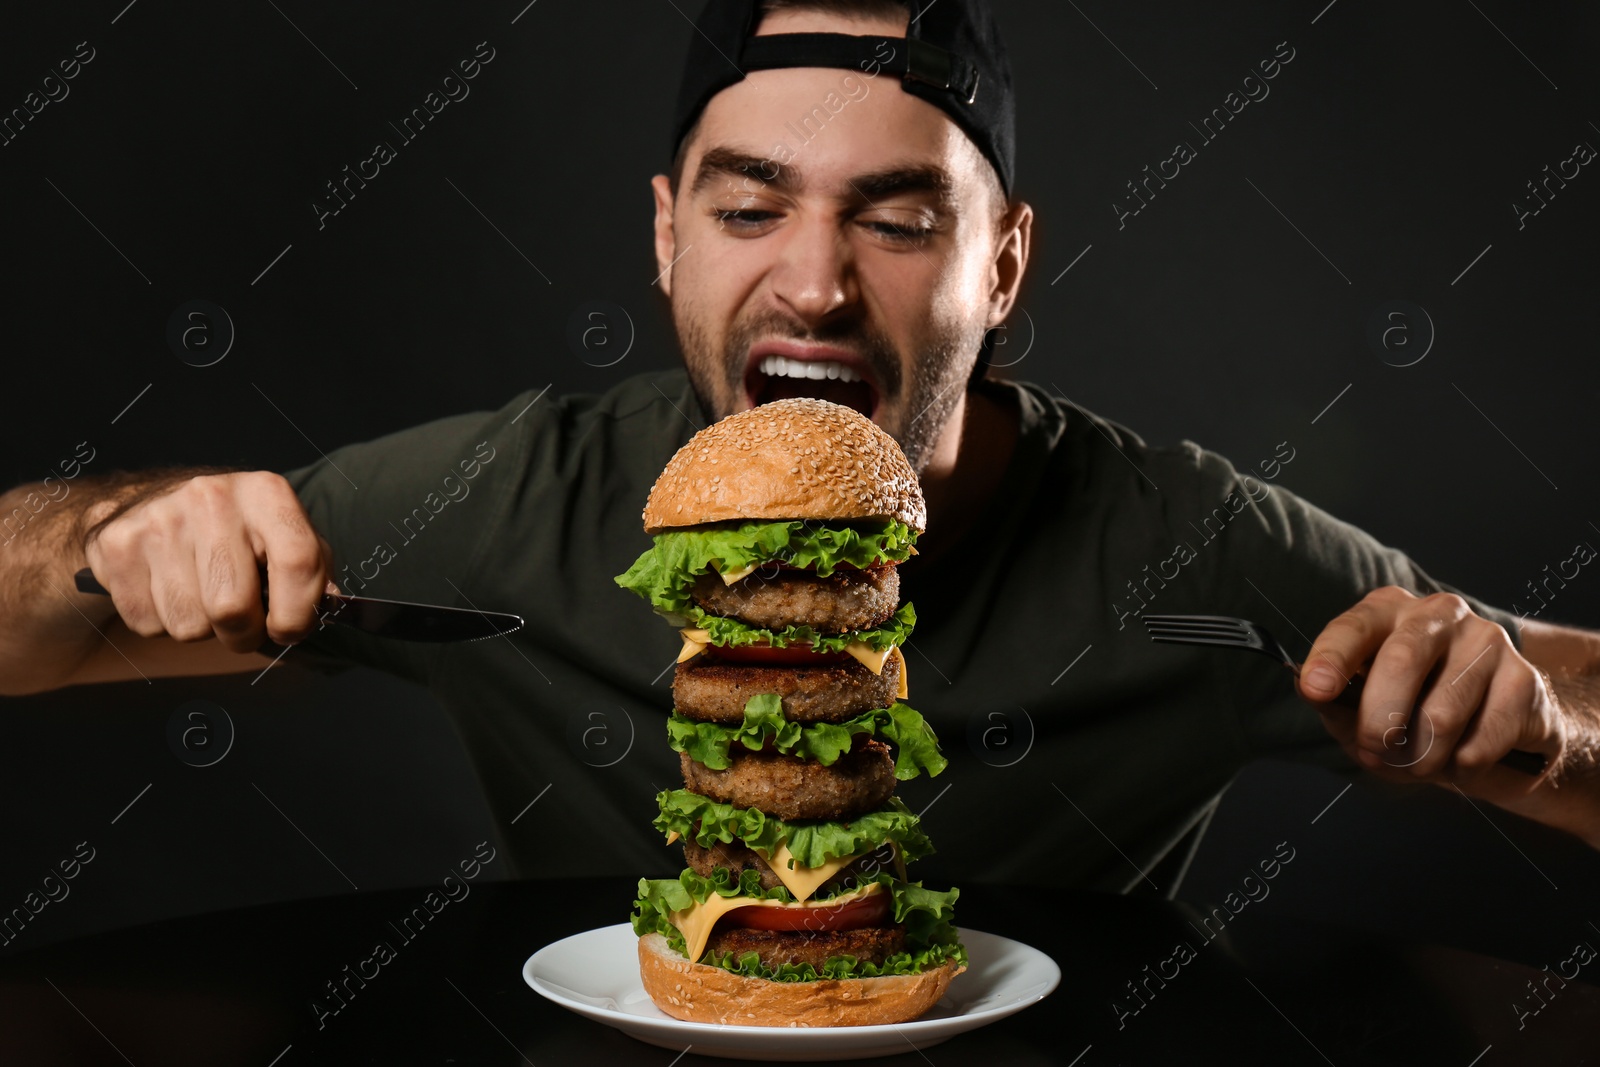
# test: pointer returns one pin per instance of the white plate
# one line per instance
(596, 974)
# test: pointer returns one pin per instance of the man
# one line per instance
(838, 222)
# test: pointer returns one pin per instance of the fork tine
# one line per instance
(1173, 639)
(1230, 619)
(1196, 628)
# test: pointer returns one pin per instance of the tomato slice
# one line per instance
(791, 655)
(869, 910)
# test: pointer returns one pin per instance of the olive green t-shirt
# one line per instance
(1080, 752)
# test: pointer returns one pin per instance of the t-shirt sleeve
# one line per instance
(407, 516)
(1270, 556)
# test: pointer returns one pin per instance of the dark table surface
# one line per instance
(237, 987)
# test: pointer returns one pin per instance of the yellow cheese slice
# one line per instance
(694, 643)
(697, 921)
(729, 577)
(902, 692)
(865, 655)
(802, 881)
(673, 837)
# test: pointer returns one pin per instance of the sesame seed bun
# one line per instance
(800, 458)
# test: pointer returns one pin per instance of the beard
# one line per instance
(915, 399)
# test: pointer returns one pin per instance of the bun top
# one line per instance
(800, 458)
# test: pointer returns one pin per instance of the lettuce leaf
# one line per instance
(725, 630)
(931, 939)
(916, 747)
(664, 574)
(812, 842)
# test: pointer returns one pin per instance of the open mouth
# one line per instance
(839, 377)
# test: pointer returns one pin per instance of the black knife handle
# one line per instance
(86, 583)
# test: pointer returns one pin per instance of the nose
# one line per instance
(815, 272)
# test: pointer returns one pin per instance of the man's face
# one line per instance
(834, 237)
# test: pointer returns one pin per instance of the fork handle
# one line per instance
(1529, 763)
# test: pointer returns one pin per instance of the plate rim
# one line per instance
(928, 1027)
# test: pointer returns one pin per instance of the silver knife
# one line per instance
(398, 619)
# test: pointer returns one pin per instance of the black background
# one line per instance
(189, 153)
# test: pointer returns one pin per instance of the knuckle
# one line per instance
(1389, 594)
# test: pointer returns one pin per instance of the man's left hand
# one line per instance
(1446, 695)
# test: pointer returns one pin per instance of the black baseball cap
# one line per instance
(951, 56)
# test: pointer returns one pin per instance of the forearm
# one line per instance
(46, 626)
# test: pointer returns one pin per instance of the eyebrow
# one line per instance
(871, 187)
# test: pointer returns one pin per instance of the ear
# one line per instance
(1010, 260)
(666, 244)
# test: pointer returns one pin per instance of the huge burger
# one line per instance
(777, 536)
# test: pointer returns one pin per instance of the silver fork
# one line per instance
(1225, 631)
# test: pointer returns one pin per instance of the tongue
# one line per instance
(856, 395)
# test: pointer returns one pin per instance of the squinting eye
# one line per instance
(742, 218)
(899, 232)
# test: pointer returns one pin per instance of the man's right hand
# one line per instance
(189, 562)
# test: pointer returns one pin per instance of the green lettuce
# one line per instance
(812, 842)
(725, 630)
(708, 743)
(665, 573)
(931, 939)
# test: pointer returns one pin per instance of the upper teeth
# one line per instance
(815, 369)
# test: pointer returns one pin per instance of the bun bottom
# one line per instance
(700, 993)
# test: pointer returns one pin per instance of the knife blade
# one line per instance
(398, 619)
